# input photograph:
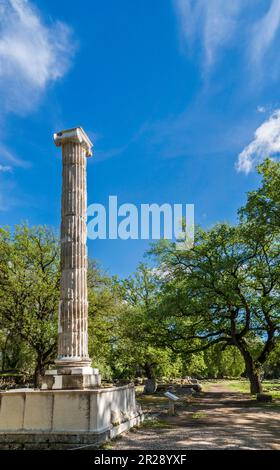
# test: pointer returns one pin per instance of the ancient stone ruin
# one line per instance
(72, 408)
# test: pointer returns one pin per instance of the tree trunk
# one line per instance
(151, 383)
(255, 383)
(149, 369)
(253, 375)
(39, 372)
(4, 353)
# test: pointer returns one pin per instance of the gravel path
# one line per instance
(218, 419)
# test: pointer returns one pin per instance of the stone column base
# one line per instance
(76, 378)
(23, 440)
(58, 419)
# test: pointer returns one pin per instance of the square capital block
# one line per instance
(75, 135)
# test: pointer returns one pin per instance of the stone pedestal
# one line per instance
(59, 419)
(75, 378)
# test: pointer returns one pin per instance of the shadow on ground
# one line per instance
(213, 420)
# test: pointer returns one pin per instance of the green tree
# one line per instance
(29, 290)
(105, 307)
(141, 294)
(15, 355)
(262, 210)
(225, 290)
(221, 362)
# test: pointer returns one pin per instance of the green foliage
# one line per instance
(262, 210)
(225, 290)
(214, 362)
(272, 366)
(104, 317)
(29, 290)
(15, 353)
(121, 327)
(210, 311)
(194, 365)
(223, 363)
(138, 327)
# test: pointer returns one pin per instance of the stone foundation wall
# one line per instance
(60, 411)
(64, 440)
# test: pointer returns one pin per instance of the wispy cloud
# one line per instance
(198, 131)
(266, 143)
(218, 25)
(102, 155)
(261, 109)
(264, 31)
(211, 23)
(5, 169)
(8, 156)
(32, 54)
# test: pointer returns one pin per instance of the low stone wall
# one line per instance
(80, 417)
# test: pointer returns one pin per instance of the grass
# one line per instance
(272, 388)
(243, 386)
(198, 415)
(107, 445)
(158, 403)
(151, 399)
(155, 423)
(10, 374)
(153, 402)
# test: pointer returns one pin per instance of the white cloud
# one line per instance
(9, 156)
(32, 54)
(220, 24)
(5, 168)
(264, 31)
(266, 143)
(106, 154)
(212, 22)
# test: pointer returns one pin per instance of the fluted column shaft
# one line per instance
(73, 311)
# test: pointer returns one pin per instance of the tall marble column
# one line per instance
(73, 362)
(73, 311)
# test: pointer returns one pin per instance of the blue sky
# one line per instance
(180, 97)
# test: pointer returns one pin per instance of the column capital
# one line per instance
(76, 135)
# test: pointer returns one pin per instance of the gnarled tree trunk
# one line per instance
(253, 373)
(150, 384)
(39, 371)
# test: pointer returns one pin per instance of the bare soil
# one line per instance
(216, 419)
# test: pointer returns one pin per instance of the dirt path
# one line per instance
(218, 419)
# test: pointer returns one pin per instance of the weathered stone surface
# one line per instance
(185, 391)
(194, 381)
(67, 411)
(73, 307)
(64, 440)
(150, 386)
(73, 312)
(197, 387)
(71, 408)
(80, 381)
(12, 411)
